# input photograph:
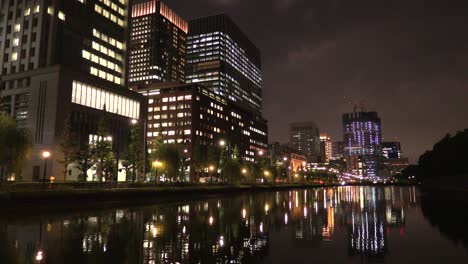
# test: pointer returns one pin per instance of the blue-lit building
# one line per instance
(221, 57)
(362, 136)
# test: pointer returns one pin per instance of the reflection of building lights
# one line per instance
(183, 230)
(210, 220)
(244, 213)
(305, 211)
(267, 208)
(285, 218)
(261, 227)
(154, 231)
(221, 241)
(39, 255)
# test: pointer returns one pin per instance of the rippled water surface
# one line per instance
(325, 225)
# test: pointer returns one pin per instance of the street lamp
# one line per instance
(134, 121)
(260, 153)
(157, 164)
(46, 155)
(222, 143)
(211, 169)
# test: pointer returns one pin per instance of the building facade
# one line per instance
(66, 60)
(192, 115)
(305, 137)
(362, 137)
(325, 147)
(391, 150)
(157, 44)
(221, 57)
(338, 149)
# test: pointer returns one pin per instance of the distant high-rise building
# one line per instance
(338, 149)
(362, 136)
(391, 150)
(158, 44)
(66, 60)
(221, 57)
(305, 137)
(326, 147)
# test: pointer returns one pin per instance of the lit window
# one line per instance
(27, 12)
(15, 42)
(61, 15)
(17, 27)
(37, 9)
(14, 56)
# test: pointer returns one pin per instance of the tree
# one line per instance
(68, 147)
(101, 149)
(15, 146)
(134, 154)
(198, 160)
(85, 161)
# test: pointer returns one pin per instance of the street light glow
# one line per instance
(46, 154)
(134, 121)
(211, 168)
(157, 164)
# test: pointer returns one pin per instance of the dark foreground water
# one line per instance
(326, 225)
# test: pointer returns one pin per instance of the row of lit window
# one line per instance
(93, 97)
(258, 131)
(171, 107)
(103, 62)
(35, 10)
(171, 124)
(113, 6)
(108, 15)
(107, 39)
(166, 116)
(152, 77)
(106, 76)
(107, 51)
(170, 133)
(50, 11)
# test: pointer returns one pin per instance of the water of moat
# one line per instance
(326, 225)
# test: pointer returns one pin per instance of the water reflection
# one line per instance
(238, 229)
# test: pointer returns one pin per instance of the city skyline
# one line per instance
(417, 91)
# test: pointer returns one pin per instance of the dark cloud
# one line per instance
(407, 59)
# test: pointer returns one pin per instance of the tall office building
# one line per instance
(362, 137)
(64, 60)
(325, 147)
(191, 114)
(305, 137)
(221, 57)
(157, 45)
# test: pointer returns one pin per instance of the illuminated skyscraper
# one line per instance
(65, 60)
(157, 45)
(220, 56)
(362, 136)
(305, 137)
(326, 147)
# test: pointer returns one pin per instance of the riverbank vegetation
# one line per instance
(446, 164)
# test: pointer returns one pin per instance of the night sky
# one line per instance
(407, 59)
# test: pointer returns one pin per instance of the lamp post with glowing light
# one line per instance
(156, 164)
(211, 169)
(45, 155)
(244, 173)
